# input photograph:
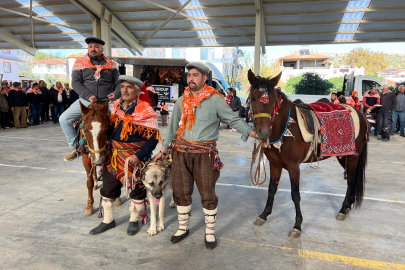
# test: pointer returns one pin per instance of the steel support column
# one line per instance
(106, 36)
(17, 42)
(258, 31)
(96, 28)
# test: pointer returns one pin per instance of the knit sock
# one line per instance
(182, 214)
(135, 208)
(108, 206)
(210, 219)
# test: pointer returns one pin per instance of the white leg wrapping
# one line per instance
(182, 214)
(210, 219)
(109, 206)
(135, 208)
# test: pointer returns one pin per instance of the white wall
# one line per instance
(324, 73)
(13, 76)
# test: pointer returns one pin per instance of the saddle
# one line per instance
(306, 112)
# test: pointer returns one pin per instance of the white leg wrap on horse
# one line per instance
(135, 208)
(182, 214)
(210, 219)
(109, 206)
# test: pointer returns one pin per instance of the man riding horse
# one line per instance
(94, 78)
(134, 138)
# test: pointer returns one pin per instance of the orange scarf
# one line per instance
(36, 92)
(150, 88)
(60, 90)
(189, 103)
(85, 62)
(143, 120)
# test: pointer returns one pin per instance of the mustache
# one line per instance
(125, 94)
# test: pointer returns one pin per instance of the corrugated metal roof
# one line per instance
(232, 22)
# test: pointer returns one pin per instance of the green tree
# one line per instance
(337, 83)
(312, 84)
(373, 62)
(289, 87)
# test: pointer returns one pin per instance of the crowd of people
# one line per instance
(381, 109)
(34, 105)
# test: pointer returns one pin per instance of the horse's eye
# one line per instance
(253, 99)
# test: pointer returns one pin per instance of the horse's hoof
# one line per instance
(88, 211)
(294, 233)
(348, 210)
(259, 222)
(95, 187)
(172, 205)
(341, 216)
(118, 202)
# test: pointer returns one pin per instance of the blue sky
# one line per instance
(278, 51)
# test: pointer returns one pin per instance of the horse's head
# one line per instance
(95, 125)
(264, 99)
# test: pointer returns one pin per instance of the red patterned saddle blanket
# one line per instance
(337, 129)
(323, 107)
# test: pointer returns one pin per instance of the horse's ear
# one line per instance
(83, 108)
(104, 109)
(276, 79)
(251, 77)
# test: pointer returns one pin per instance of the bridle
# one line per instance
(276, 107)
(105, 143)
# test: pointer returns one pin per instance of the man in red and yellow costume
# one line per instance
(134, 138)
(195, 127)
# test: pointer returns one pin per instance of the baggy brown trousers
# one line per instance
(187, 168)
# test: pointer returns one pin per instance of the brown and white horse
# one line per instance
(293, 152)
(95, 126)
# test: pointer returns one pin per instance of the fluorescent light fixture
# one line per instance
(54, 19)
(352, 16)
(200, 13)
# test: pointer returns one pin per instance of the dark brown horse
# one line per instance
(294, 151)
(95, 126)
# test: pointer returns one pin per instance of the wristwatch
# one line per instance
(162, 153)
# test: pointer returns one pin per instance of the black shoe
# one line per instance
(132, 228)
(210, 245)
(176, 239)
(103, 227)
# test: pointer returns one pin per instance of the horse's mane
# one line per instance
(95, 111)
(268, 84)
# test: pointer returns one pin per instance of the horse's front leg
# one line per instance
(275, 174)
(94, 175)
(90, 184)
(296, 198)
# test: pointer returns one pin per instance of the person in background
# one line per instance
(168, 81)
(45, 101)
(18, 103)
(3, 108)
(388, 102)
(164, 111)
(57, 100)
(9, 115)
(341, 97)
(34, 96)
(354, 101)
(399, 112)
(234, 103)
(370, 99)
(333, 98)
(29, 86)
(67, 91)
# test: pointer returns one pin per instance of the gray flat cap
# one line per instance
(94, 40)
(201, 67)
(138, 83)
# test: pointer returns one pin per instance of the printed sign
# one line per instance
(163, 92)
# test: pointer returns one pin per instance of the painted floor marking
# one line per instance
(327, 257)
(227, 185)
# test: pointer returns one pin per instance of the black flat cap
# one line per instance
(94, 40)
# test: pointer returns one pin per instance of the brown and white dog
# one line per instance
(156, 177)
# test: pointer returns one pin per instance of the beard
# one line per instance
(192, 86)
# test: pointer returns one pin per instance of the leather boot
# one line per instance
(210, 219)
(135, 208)
(108, 222)
(182, 213)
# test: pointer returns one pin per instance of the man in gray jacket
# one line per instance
(399, 112)
(94, 78)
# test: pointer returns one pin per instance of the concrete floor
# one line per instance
(42, 226)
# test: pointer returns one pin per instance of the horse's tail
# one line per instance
(360, 177)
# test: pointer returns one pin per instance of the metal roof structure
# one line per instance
(138, 24)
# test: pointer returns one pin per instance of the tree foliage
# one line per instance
(373, 62)
(289, 87)
(396, 60)
(337, 84)
(312, 84)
